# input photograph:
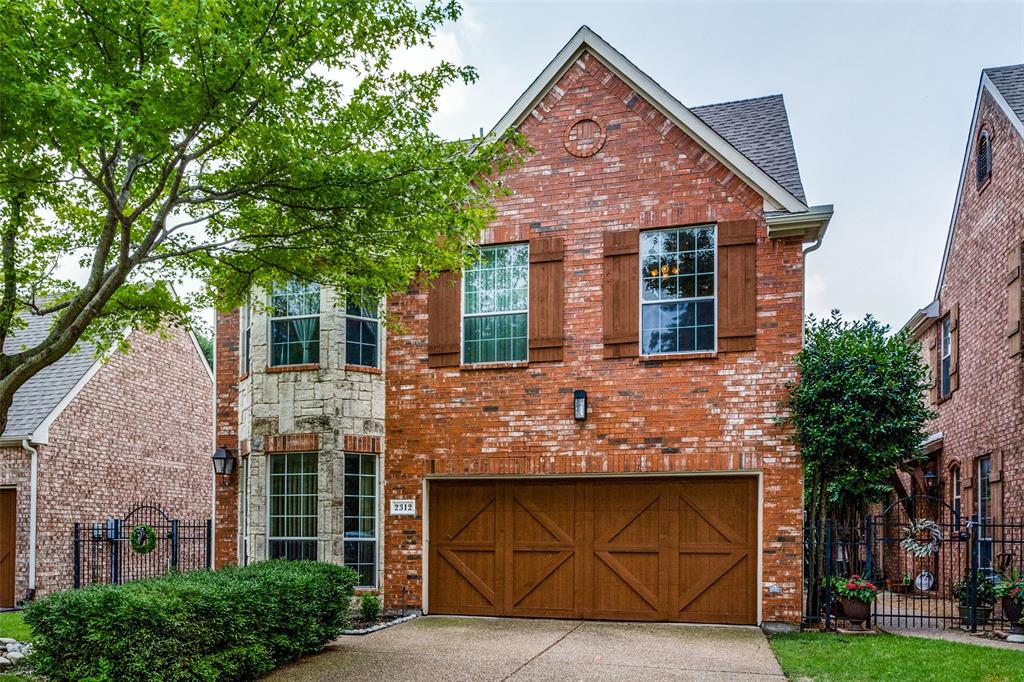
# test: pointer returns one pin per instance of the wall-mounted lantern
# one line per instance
(931, 482)
(579, 404)
(223, 461)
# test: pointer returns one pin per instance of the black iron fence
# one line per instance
(934, 569)
(145, 543)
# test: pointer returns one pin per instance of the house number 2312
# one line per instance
(403, 507)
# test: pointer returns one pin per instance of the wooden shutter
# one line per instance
(621, 293)
(546, 288)
(444, 312)
(954, 347)
(996, 484)
(935, 361)
(1013, 298)
(737, 285)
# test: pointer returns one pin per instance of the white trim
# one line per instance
(756, 473)
(463, 314)
(585, 39)
(983, 85)
(810, 225)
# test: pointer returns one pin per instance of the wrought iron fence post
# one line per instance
(114, 535)
(209, 543)
(174, 544)
(972, 587)
(78, 556)
(827, 577)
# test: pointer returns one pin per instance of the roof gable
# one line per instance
(1011, 80)
(776, 194)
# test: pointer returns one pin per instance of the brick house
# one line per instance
(585, 422)
(971, 331)
(100, 435)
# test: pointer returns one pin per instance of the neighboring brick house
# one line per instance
(971, 332)
(586, 422)
(108, 434)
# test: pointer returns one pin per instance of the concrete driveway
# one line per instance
(457, 648)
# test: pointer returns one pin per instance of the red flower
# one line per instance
(870, 586)
(851, 586)
(1015, 591)
(854, 577)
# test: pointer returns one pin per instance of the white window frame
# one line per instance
(956, 495)
(945, 354)
(270, 493)
(376, 321)
(271, 319)
(376, 539)
(463, 314)
(245, 338)
(713, 298)
(985, 522)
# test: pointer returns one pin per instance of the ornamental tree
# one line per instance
(143, 145)
(859, 417)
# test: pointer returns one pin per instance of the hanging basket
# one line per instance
(142, 538)
(913, 534)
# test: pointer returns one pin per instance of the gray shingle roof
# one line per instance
(759, 129)
(43, 392)
(1009, 80)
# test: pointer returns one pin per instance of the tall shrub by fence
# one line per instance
(232, 624)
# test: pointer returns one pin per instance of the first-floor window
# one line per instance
(293, 506)
(361, 517)
(955, 495)
(677, 284)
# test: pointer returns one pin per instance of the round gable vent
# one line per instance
(584, 138)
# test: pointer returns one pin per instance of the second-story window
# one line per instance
(983, 162)
(295, 324)
(945, 358)
(495, 302)
(362, 332)
(245, 352)
(677, 283)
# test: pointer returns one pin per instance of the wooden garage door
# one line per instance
(614, 549)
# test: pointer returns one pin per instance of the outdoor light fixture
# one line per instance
(931, 482)
(579, 404)
(223, 461)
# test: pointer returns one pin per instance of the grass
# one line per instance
(834, 658)
(13, 625)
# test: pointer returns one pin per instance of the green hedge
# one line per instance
(232, 624)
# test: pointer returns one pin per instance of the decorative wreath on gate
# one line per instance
(143, 538)
(913, 543)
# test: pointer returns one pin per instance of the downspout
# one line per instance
(812, 247)
(33, 496)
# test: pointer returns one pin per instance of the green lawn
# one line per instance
(12, 625)
(827, 657)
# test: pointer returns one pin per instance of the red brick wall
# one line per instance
(227, 368)
(986, 413)
(693, 415)
(139, 431)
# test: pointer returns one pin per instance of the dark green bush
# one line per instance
(369, 607)
(232, 624)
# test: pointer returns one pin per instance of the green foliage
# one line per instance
(206, 344)
(1011, 585)
(12, 624)
(889, 658)
(232, 624)
(984, 586)
(369, 607)
(153, 144)
(855, 587)
(858, 409)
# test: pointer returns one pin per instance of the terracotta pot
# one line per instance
(855, 611)
(1013, 612)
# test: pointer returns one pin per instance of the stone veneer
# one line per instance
(330, 409)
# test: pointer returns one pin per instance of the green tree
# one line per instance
(234, 142)
(859, 417)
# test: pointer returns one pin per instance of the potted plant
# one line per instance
(984, 596)
(1010, 590)
(855, 596)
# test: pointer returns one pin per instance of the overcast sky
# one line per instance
(879, 95)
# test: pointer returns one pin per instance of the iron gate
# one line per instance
(942, 585)
(144, 544)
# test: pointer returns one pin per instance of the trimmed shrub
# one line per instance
(233, 624)
(369, 607)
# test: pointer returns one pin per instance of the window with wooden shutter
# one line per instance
(443, 320)
(737, 285)
(621, 294)
(934, 362)
(546, 299)
(1013, 298)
